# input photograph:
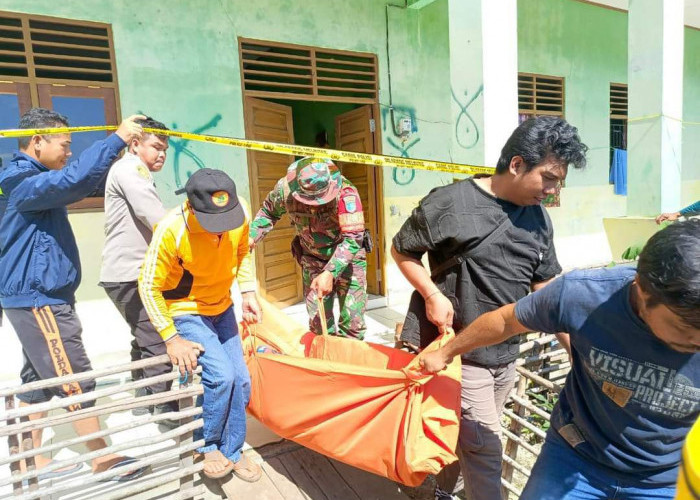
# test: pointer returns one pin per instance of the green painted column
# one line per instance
(483, 41)
(655, 78)
(466, 82)
(499, 21)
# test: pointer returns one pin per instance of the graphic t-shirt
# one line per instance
(629, 400)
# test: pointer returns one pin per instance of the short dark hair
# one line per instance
(39, 118)
(537, 138)
(669, 270)
(149, 122)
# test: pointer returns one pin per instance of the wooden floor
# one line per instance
(291, 472)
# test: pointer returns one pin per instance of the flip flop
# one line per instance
(127, 476)
(216, 475)
(56, 473)
(60, 472)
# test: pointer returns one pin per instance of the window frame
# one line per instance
(40, 88)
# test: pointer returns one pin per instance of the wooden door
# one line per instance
(279, 276)
(353, 132)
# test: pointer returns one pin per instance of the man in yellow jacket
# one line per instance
(185, 284)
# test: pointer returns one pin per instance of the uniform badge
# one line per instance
(143, 172)
(350, 203)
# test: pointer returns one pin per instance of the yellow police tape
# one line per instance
(274, 147)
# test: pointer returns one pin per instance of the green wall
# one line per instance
(178, 61)
(555, 37)
(691, 109)
(587, 45)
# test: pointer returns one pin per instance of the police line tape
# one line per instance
(274, 147)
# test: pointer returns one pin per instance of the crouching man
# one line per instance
(197, 251)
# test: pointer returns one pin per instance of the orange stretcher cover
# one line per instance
(363, 404)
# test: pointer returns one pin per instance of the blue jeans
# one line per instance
(225, 378)
(560, 473)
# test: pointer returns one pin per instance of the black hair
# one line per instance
(669, 270)
(537, 138)
(39, 118)
(149, 122)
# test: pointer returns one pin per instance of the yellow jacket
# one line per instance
(188, 270)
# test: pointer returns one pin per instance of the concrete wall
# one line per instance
(690, 174)
(691, 117)
(555, 38)
(587, 45)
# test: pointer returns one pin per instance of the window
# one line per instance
(540, 95)
(59, 64)
(282, 70)
(618, 117)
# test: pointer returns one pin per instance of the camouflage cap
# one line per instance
(314, 181)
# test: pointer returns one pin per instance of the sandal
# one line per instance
(125, 476)
(214, 456)
(247, 470)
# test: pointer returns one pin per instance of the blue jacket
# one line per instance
(39, 261)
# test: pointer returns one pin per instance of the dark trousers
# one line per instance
(146, 342)
(52, 346)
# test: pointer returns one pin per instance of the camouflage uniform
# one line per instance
(330, 228)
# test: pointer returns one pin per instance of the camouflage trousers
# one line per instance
(350, 288)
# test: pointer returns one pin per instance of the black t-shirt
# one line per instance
(454, 219)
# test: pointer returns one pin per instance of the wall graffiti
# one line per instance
(401, 176)
(179, 148)
(466, 130)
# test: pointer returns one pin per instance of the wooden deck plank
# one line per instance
(283, 481)
(368, 486)
(264, 489)
(302, 478)
(325, 475)
(275, 449)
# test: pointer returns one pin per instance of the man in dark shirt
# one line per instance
(633, 391)
(489, 242)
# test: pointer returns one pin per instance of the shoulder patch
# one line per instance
(350, 202)
(143, 172)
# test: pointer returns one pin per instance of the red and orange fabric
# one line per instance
(364, 404)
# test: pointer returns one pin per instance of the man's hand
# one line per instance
(183, 353)
(433, 362)
(251, 244)
(439, 311)
(322, 284)
(670, 216)
(252, 312)
(129, 130)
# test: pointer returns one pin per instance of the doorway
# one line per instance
(342, 125)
